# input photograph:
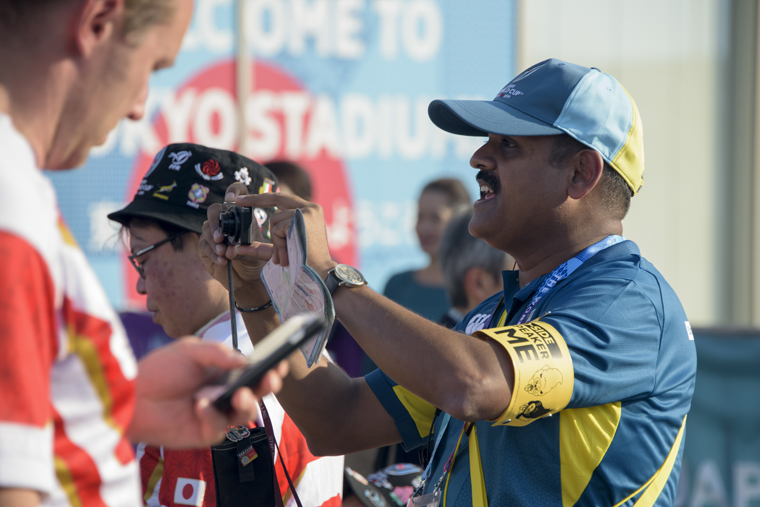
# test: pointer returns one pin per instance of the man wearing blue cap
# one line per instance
(570, 387)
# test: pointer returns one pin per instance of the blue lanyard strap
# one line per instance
(566, 269)
(441, 430)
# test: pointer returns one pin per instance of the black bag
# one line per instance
(244, 469)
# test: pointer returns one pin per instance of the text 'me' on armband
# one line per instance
(543, 371)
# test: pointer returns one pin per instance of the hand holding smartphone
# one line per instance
(272, 349)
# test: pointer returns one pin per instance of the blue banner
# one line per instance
(340, 86)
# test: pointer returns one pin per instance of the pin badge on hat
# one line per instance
(197, 195)
(159, 156)
(162, 191)
(267, 186)
(261, 216)
(179, 158)
(243, 176)
(144, 187)
(209, 170)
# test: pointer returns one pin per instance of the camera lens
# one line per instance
(229, 224)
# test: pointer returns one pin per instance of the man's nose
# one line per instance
(482, 159)
(140, 285)
(137, 110)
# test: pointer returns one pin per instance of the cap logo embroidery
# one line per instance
(243, 176)
(164, 190)
(198, 194)
(144, 187)
(179, 158)
(210, 170)
(267, 186)
(528, 72)
(508, 92)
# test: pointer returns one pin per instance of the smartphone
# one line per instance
(272, 349)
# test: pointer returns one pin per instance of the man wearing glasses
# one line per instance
(186, 300)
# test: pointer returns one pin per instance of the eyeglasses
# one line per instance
(133, 258)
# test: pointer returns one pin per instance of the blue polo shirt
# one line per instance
(619, 439)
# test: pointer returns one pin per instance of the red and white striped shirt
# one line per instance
(67, 368)
(186, 477)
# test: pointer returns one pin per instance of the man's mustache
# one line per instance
(490, 179)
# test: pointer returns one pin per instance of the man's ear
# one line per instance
(587, 169)
(96, 22)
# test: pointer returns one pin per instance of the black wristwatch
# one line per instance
(344, 275)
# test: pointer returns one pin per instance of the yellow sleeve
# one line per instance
(543, 371)
(421, 411)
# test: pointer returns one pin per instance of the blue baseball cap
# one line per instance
(555, 97)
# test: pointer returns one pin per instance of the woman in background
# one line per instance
(423, 290)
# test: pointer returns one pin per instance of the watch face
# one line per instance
(349, 275)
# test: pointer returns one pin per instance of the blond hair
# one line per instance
(18, 16)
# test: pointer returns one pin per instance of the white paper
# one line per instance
(297, 288)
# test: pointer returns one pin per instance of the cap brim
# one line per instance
(176, 215)
(483, 117)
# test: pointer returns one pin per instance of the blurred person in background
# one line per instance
(73, 394)
(471, 268)
(291, 178)
(423, 290)
(186, 300)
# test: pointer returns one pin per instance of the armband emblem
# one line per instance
(543, 381)
(543, 370)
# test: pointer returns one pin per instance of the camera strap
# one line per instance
(233, 317)
(273, 446)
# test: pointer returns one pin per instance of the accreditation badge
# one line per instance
(430, 500)
(543, 371)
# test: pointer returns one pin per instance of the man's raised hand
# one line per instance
(246, 261)
(314, 220)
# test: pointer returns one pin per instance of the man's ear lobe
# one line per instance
(588, 166)
(96, 22)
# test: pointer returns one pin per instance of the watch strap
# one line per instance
(332, 282)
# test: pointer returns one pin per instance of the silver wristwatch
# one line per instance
(344, 275)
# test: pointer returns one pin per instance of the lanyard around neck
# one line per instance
(566, 269)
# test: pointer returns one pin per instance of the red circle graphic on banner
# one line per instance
(282, 124)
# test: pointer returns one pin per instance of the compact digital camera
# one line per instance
(236, 224)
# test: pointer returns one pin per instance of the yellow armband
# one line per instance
(543, 371)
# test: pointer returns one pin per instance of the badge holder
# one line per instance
(430, 500)
(243, 464)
